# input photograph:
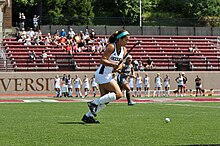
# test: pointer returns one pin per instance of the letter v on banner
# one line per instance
(5, 87)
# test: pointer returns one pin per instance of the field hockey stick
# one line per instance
(137, 43)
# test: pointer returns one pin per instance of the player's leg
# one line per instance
(128, 94)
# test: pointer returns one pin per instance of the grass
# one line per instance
(59, 124)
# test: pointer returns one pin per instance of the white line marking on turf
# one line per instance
(189, 105)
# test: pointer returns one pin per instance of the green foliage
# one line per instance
(82, 12)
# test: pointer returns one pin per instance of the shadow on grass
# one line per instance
(74, 123)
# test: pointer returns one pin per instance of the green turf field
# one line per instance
(59, 124)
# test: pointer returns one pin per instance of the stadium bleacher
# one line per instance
(166, 52)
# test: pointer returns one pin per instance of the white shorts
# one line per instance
(64, 88)
(147, 86)
(94, 84)
(158, 85)
(103, 79)
(57, 86)
(131, 85)
(86, 86)
(77, 86)
(139, 85)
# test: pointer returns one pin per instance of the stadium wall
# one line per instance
(43, 82)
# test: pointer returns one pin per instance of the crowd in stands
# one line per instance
(70, 41)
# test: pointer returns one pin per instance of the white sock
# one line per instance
(105, 99)
(80, 93)
(77, 93)
(89, 114)
(155, 92)
(148, 93)
(99, 108)
(86, 93)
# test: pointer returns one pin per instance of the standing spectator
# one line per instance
(158, 85)
(35, 22)
(94, 85)
(167, 85)
(86, 85)
(199, 89)
(92, 34)
(146, 85)
(22, 19)
(138, 85)
(63, 33)
(78, 83)
(179, 81)
(57, 33)
(184, 83)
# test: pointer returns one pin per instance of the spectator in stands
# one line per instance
(136, 64)
(35, 22)
(57, 33)
(86, 34)
(71, 33)
(31, 33)
(37, 40)
(140, 66)
(32, 56)
(62, 41)
(40, 34)
(46, 41)
(149, 65)
(193, 48)
(44, 56)
(27, 40)
(92, 34)
(63, 33)
(22, 19)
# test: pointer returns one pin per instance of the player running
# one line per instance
(127, 70)
(109, 89)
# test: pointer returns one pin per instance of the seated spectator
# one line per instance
(31, 33)
(57, 32)
(27, 40)
(193, 48)
(68, 48)
(44, 56)
(140, 66)
(71, 33)
(136, 64)
(149, 65)
(32, 56)
(37, 40)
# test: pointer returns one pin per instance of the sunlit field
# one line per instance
(143, 124)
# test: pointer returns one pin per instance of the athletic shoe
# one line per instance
(89, 120)
(131, 103)
(92, 107)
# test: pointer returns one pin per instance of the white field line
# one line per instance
(189, 105)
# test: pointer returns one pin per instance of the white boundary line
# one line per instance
(190, 105)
